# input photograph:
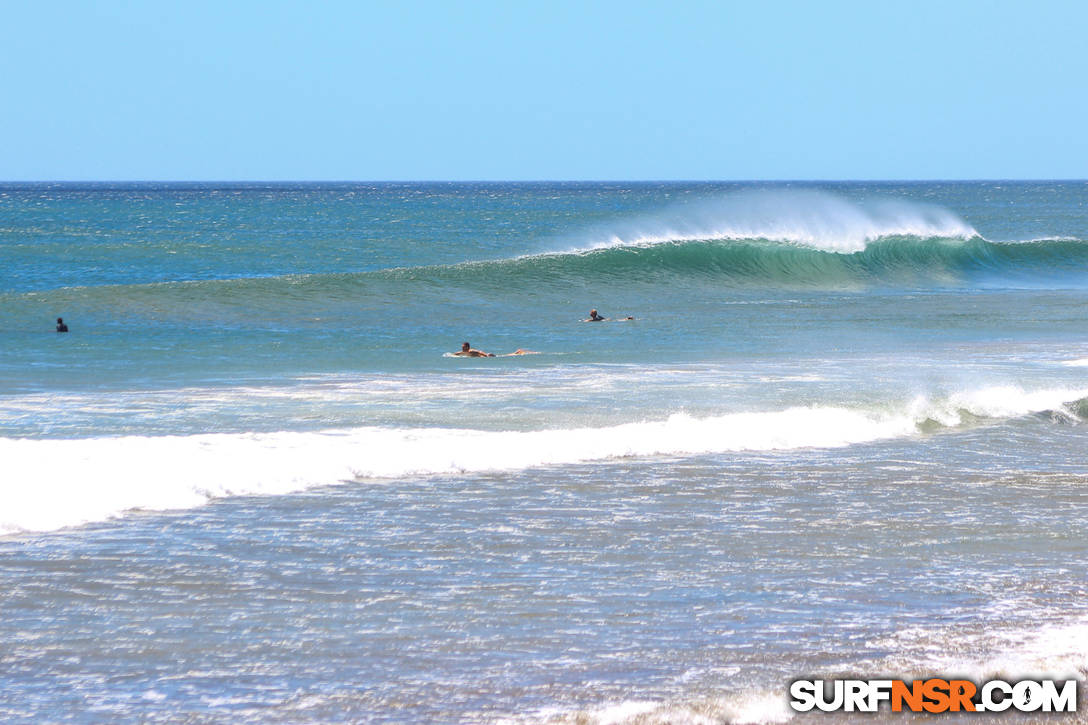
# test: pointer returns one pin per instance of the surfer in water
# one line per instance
(594, 317)
(61, 327)
(468, 351)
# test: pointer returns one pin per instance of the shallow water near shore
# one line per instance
(844, 433)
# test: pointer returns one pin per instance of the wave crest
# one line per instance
(809, 218)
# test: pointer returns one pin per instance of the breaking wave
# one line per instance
(894, 262)
(813, 219)
(50, 484)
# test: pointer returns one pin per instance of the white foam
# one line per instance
(757, 707)
(1058, 651)
(1049, 650)
(1043, 240)
(49, 484)
(1003, 401)
(811, 218)
(623, 712)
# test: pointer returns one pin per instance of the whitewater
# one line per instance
(56, 483)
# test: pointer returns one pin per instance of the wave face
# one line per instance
(56, 483)
(890, 260)
(756, 264)
(802, 239)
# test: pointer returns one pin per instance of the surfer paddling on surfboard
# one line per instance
(594, 317)
(468, 351)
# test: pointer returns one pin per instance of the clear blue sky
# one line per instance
(343, 90)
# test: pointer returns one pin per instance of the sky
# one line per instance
(547, 90)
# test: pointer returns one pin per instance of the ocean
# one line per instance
(843, 434)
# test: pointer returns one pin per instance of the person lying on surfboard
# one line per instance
(594, 317)
(468, 351)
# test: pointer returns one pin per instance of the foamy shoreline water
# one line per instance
(98, 478)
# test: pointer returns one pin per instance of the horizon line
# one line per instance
(546, 181)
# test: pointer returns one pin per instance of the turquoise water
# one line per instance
(844, 432)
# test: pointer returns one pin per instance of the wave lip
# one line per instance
(812, 219)
(50, 484)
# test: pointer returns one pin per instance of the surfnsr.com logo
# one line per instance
(934, 695)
